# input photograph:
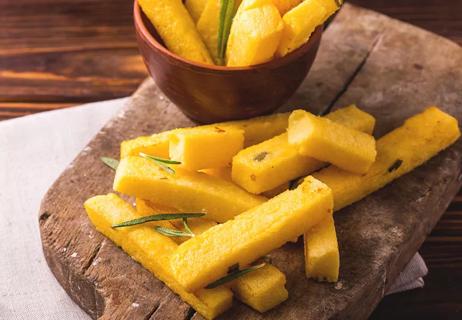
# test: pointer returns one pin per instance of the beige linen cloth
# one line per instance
(34, 150)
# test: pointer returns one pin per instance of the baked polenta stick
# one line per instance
(250, 235)
(256, 130)
(285, 5)
(255, 33)
(176, 28)
(322, 258)
(190, 191)
(205, 146)
(420, 138)
(328, 141)
(273, 162)
(301, 21)
(195, 8)
(155, 145)
(152, 250)
(262, 289)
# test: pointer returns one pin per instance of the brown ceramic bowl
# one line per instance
(213, 93)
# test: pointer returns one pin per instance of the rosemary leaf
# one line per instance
(227, 12)
(110, 162)
(172, 232)
(161, 162)
(165, 167)
(234, 275)
(158, 217)
(186, 227)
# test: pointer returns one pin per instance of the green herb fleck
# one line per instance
(261, 156)
(172, 232)
(234, 275)
(186, 226)
(227, 11)
(158, 217)
(163, 163)
(110, 162)
(159, 159)
(395, 165)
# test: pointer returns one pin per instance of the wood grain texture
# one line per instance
(70, 52)
(388, 68)
(60, 51)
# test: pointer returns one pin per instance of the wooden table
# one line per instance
(59, 53)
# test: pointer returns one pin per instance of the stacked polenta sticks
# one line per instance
(212, 200)
(236, 32)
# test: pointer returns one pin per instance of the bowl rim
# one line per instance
(274, 63)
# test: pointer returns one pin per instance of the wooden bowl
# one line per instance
(208, 93)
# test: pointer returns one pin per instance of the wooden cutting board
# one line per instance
(388, 68)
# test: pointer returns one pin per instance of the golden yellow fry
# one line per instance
(207, 257)
(188, 191)
(328, 141)
(255, 33)
(152, 250)
(420, 138)
(176, 28)
(274, 162)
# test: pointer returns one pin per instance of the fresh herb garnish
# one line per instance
(159, 159)
(158, 217)
(261, 156)
(110, 162)
(163, 163)
(227, 11)
(395, 165)
(234, 275)
(173, 232)
(186, 227)
(176, 233)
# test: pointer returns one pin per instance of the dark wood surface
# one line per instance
(58, 53)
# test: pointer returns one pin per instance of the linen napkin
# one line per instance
(34, 150)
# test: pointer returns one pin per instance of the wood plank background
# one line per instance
(59, 53)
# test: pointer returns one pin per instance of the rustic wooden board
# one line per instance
(390, 69)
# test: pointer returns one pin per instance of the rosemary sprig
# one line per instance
(234, 275)
(176, 233)
(161, 162)
(157, 217)
(110, 162)
(186, 226)
(172, 232)
(227, 12)
(159, 159)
